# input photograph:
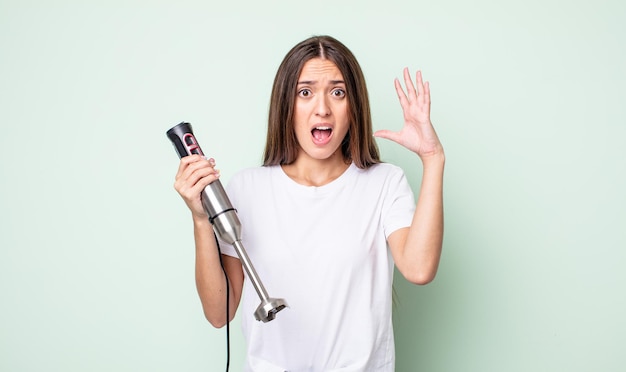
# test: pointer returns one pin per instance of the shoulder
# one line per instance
(388, 178)
(252, 173)
(383, 170)
(386, 168)
(246, 177)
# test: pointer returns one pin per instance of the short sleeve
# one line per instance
(399, 203)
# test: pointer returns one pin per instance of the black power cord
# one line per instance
(227, 303)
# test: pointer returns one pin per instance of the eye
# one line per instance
(338, 93)
(304, 93)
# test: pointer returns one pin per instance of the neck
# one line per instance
(316, 172)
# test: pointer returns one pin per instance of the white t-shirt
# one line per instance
(322, 249)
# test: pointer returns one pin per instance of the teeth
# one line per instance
(322, 128)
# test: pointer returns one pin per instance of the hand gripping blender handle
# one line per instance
(224, 219)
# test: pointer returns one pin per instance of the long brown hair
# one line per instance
(281, 146)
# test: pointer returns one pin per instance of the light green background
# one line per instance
(96, 250)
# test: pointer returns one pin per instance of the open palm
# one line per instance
(417, 134)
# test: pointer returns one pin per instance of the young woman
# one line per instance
(324, 220)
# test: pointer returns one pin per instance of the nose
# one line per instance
(322, 108)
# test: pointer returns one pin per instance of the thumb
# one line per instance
(387, 134)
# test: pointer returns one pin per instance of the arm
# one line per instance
(417, 249)
(194, 174)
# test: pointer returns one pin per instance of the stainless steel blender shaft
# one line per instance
(226, 224)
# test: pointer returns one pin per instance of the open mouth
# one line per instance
(321, 134)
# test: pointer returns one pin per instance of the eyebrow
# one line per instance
(311, 82)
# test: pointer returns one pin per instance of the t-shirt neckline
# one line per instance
(330, 187)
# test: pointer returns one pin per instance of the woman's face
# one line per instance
(321, 110)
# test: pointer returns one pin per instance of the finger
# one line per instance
(190, 186)
(202, 172)
(427, 94)
(401, 95)
(195, 178)
(410, 88)
(197, 171)
(184, 163)
(203, 180)
(191, 165)
(420, 82)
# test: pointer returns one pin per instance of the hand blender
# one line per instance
(225, 222)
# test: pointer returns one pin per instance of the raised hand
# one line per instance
(417, 134)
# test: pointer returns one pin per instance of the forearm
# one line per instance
(210, 280)
(422, 248)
